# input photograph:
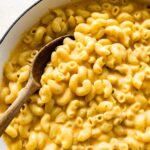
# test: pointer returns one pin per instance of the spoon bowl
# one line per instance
(33, 84)
(43, 57)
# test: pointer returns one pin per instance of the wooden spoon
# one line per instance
(143, 1)
(33, 83)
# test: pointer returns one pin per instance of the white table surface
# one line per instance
(10, 10)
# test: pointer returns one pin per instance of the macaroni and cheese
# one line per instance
(95, 90)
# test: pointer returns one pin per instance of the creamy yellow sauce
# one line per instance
(95, 90)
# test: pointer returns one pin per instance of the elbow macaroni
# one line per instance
(95, 90)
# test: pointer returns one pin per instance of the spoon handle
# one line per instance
(14, 108)
(144, 1)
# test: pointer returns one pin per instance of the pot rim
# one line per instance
(17, 19)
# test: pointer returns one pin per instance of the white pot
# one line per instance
(23, 23)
